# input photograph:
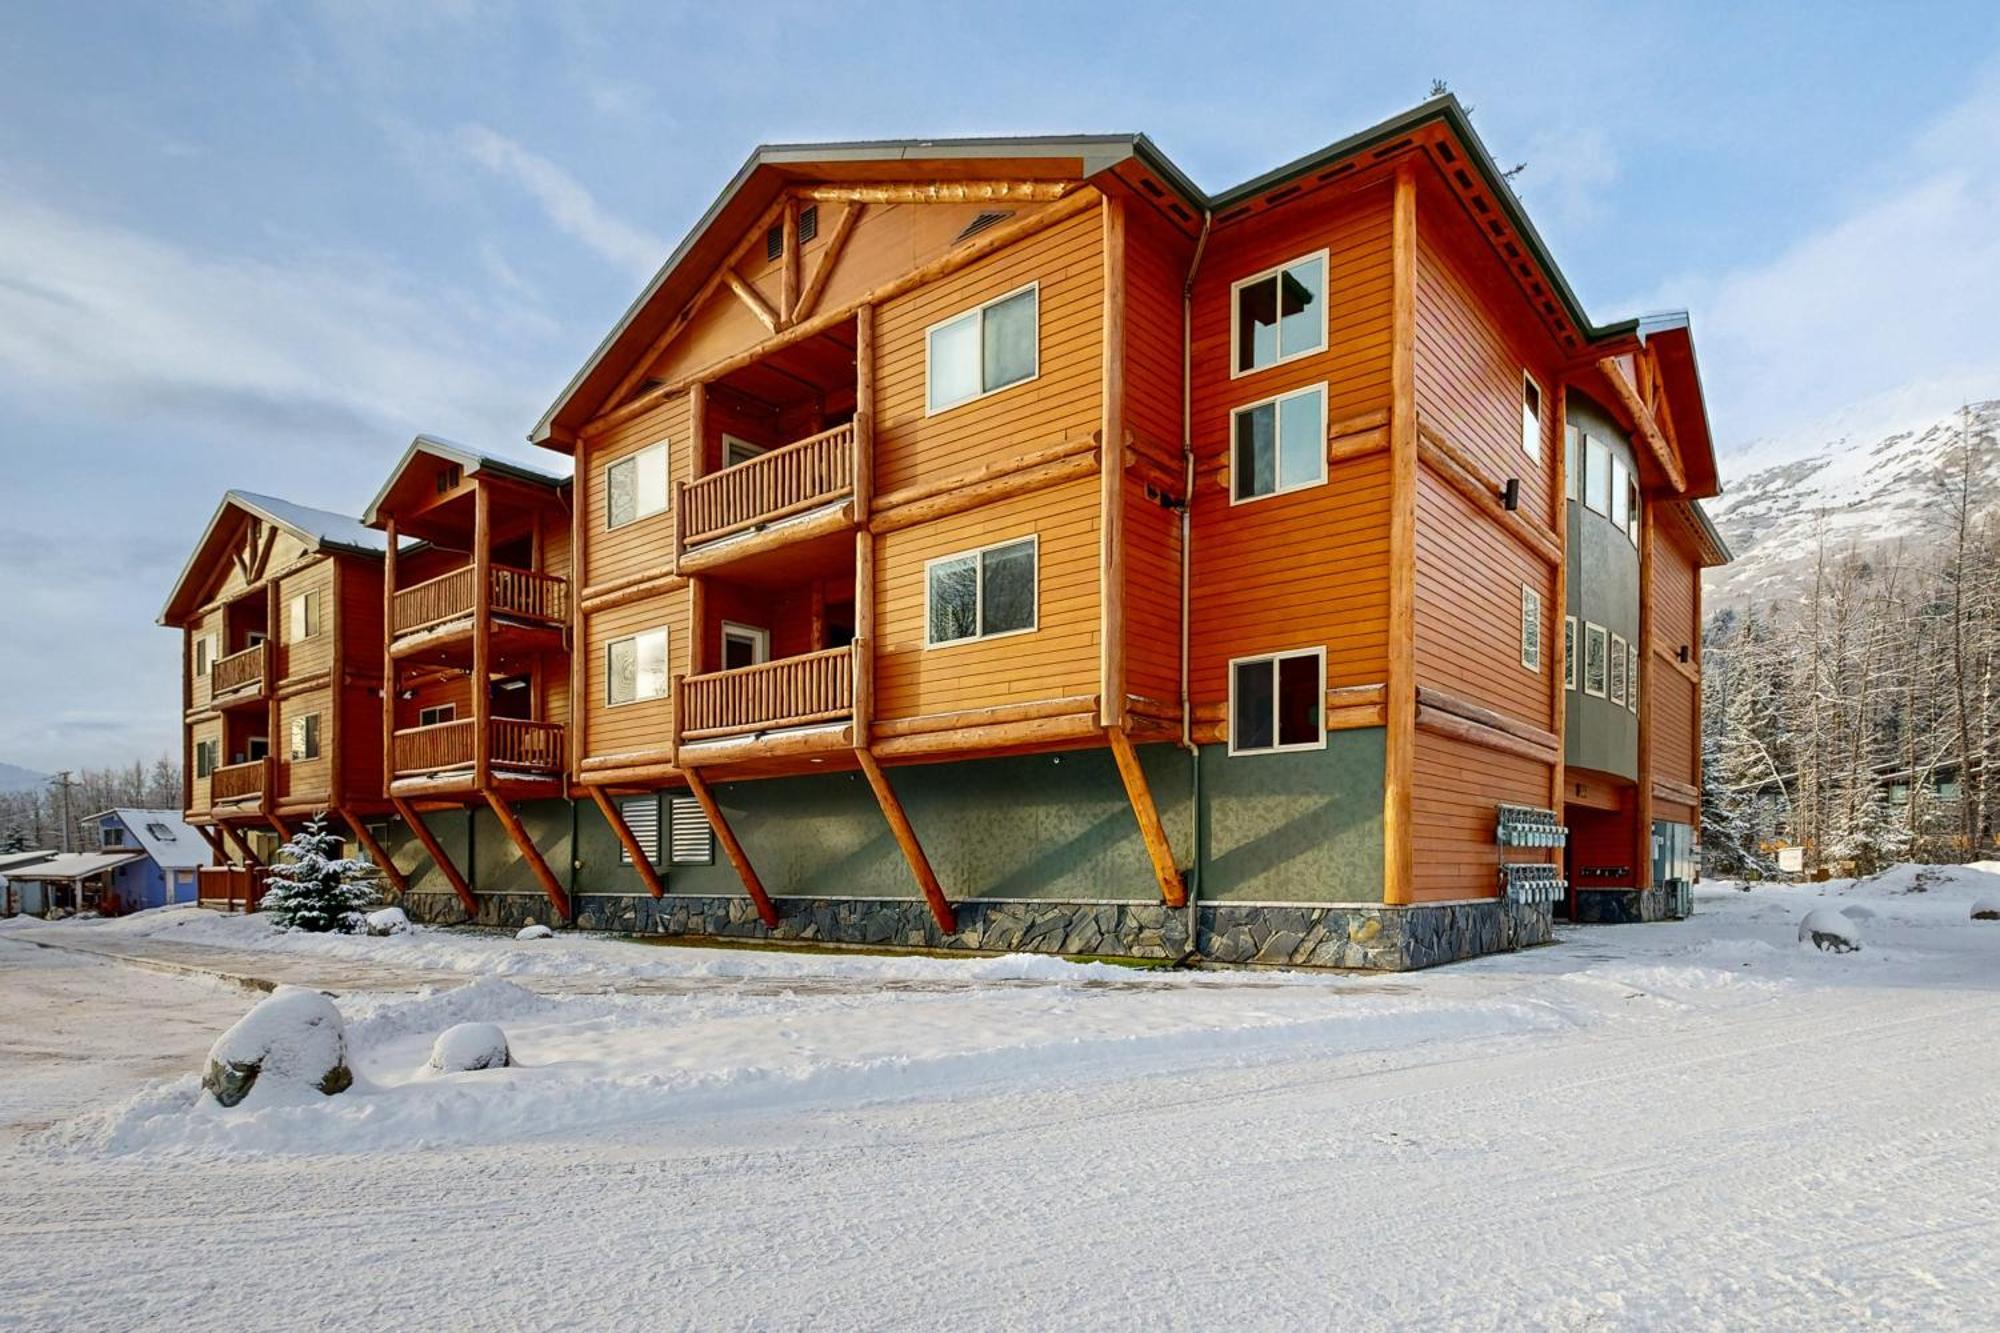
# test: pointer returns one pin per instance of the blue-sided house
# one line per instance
(173, 853)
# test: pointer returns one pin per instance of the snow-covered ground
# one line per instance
(1690, 1126)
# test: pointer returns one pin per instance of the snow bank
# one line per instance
(290, 1045)
(1833, 931)
(534, 933)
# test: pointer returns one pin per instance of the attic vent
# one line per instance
(774, 242)
(808, 223)
(981, 223)
(449, 476)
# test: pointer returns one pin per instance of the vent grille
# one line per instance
(693, 839)
(808, 223)
(449, 476)
(642, 815)
(774, 242)
(981, 223)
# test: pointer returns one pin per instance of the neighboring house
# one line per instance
(1004, 543)
(174, 853)
(71, 882)
(11, 902)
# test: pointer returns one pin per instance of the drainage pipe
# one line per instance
(1187, 542)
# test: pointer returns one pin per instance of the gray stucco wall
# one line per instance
(1603, 590)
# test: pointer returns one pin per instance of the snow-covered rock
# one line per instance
(537, 932)
(1825, 928)
(1986, 909)
(1856, 912)
(388, 921)
(470, 1046)
(291, 1042)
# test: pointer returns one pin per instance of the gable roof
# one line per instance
(67, 866)
(318, 529)
(472, 461)
(175, 847)
(13, 861)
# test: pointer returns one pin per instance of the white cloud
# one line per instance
(1872, 321)
(1569, 174)
(570, 207)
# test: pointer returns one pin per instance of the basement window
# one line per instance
(1278, 702)
(305, 737)
(642, 817)
(1531, 416)
(1278, 314)
(1596, 648)
(1531, 628)
(983, 350)
(635, 668)
(1620, 663)
(1569, 652)
(981, 594)
(1279, 445)
(635, 487)
(693, 841)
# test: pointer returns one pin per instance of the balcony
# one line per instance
(522, 602)
(516, 749)
(240, 784)
(239, 677)
(730, 716)
(785, 483)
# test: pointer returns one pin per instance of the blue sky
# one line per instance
(261, 245)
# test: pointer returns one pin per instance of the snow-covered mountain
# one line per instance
(15, 778)
(1860, 491)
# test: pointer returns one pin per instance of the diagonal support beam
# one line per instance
(214, 841)
(466, 897)
(279, 827)
(906, 838)
(753, 298)
(1159, 851)
(250, 857)
(558, 899)
(614, 817)
(375, 852)
(767, 910)
(829, 255)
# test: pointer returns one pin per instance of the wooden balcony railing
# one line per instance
(803, 475)
(240, 782)
(791, 692)
(510, 592)
(237, 671)
(515, 743)
(231, 888)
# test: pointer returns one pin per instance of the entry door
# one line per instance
(513, 697)
(744, 645)
(736, 450)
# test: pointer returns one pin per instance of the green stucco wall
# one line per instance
(1604, 590)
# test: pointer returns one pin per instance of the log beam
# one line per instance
(616, 818)
(433, 849)
(939, 192)
(1173, 891)
(767, 911)
(1643, 422)
(209, 836)
(829, 256)
(1400, 759)
(906, 838)
(243, 848)
(753, 298)
(1463, 474)
(375, 852)
(558, 899)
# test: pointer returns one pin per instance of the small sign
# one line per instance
(1791, 860)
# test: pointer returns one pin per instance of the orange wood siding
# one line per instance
(1674, 575)
(1673, 722)
(1468, 620)
(1057, 660)
(305, 779)
(208, 729)
(648, 724)
(645, 546)
(1156, 262)
(303, 659)
(1453, 817)
(1061, 402)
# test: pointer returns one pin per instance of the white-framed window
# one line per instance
(1278, 315)
(204, 654)
(1596, 647)
(1632, 677)
(111, 836)
(1596, 475)
(642, 818)
(1569, 652)
(982, 594)
(744, 645)
(1572, 462)
(1278, 702)
(984, 350)
(437, 715)
(305, 615)
(1531, 628)
(257, 747)
(1633, 502)
(1621, 496)
(1619, 665)
(635, 668)
(736, 449)
(1278, 445)
(305, 737)
(205, 755)
(1531, 416)
(635, 486)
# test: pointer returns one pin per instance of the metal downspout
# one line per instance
(1187, 539)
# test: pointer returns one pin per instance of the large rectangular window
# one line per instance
(1279, 314)
(1569, 652)
(305, 737)
(1632, 677)
(437, 715)
(205, 756)
(1279, 445)
(1572, 462)
(1621, 495)
(305, 615)
(635, 487)
(693, 841)
(1632, 504)
(1619, 664)
(642, 818)
(1596, 647)
(1531, 416)
(1277, 702)
(635, 668)
(1596, 475)
(983, 350)
(1531, 628)
(981, 594)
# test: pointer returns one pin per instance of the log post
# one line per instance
(1398, 851)
(389, 672)
(482, 633)
(466, 897)
(788, 276)
(375, 852)
(558, 898)
(1642, 795)
(767, 911)
(243, 848)
(1173, 891)
(906, 838)
(1111, 474)
(1559, 637)
(616, 818)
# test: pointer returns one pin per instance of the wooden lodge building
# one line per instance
(1004, 544)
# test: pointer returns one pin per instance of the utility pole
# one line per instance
(64, 782)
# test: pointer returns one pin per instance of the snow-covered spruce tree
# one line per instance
(313, 887)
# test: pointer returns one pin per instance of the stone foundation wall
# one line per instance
(1371, 937)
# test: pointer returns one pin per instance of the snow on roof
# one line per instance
(319, 526)
(169, 840)
(11, 860)
(75, 865)
(472, 461)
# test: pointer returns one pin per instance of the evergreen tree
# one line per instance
(314, 887)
